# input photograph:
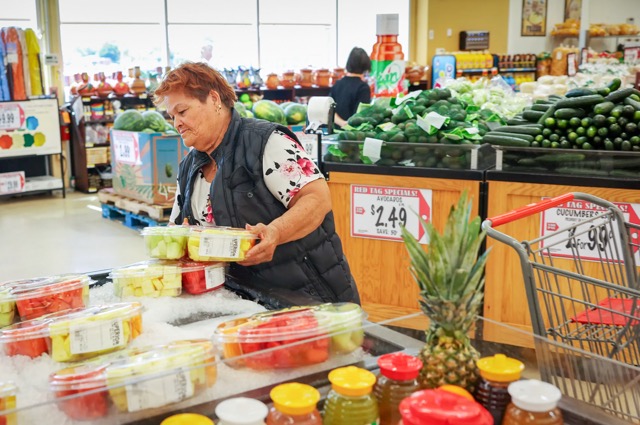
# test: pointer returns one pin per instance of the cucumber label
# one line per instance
(219, 247)
(96, 336)
(213, 276)
(159, 391)
(388, 76)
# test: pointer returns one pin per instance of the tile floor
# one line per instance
(46, 234)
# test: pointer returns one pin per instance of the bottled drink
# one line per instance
(428, 407)
(294, 404)
(533, 403)
(387, 59)
(496, 373)
(397, 380)
(241, 411)
(350, 401)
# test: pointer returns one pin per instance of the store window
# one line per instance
(18, 14)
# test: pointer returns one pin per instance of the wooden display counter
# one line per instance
(505, 298)
(381, 267)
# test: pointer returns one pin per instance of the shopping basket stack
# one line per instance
(583, 291)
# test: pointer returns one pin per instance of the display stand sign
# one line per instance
(378, 212)
(631, 55)
(12, 182)
(572, 65)
(29, 127)
(309, 144)
(126, 147)
(592, 241)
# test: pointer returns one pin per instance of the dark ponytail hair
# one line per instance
(358, 62)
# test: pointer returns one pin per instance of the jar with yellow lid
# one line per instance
(294, 404)
(350, 401)
(496, 373)
(8, 392)
(187, 419)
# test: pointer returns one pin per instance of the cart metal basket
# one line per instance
(582, 288)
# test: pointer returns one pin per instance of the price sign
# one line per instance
(309, 144)
(11, 116)
(631, 55)
(378, 212)
(125, 147)
(11, 182)
(572, 65)
(590, 239)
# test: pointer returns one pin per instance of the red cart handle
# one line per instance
(530, 209)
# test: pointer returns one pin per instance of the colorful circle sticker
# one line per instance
(5, 141)
(28, 140)
(32, 123)
(18, 140)
(40, 139)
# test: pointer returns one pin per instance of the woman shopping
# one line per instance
(351, 90)
(254, 174)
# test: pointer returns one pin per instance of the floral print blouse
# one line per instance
(286, 169)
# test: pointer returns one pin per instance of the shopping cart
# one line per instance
(582, 288)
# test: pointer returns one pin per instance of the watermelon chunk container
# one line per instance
(166, 242)
(29, 338)
(81, 391)
(152, 278)
(36, 297)
(290, 338)
(89, 332)
(217, 243)
(200, 277)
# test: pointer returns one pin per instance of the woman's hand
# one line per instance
(263, 251)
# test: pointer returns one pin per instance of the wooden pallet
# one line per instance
(129, 219)
(160, 213)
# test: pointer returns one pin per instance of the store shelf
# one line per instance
(517, 69)
(99, 164)
(99, 121)
(40, 183)
(477, 70)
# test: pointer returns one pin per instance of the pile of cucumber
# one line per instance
(606, 119)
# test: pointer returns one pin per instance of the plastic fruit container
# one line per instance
(8, 392)
(219, 243)
(84, 333)
(198, 278)
(29, 338)
(75, 381)
(145, 378)
(7, 307)
(155, 278)
(166, 242)
(37, 297)
(345, 325)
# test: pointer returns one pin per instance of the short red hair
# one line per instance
(196, 79)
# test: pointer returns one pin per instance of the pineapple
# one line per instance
(450, 277)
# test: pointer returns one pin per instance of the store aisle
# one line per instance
(44, 234)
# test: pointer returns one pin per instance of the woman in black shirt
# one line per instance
(351, 90)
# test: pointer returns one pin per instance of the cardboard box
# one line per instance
(145, 165)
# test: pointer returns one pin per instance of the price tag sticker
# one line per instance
(219, 246)
(590, 239)
(372, 148)
(159, 391)
(214, 276)
(572, 65)
(309, 143)
(378, 212)
(125, 147)
(10, 117)
(12, 182)
(631, 55)
(96, 336)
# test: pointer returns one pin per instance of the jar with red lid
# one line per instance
(442, 407)
(82, 391)
(396, 381)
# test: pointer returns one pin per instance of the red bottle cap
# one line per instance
(437, 407)
(399, 366)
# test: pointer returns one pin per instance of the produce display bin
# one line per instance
(145, 165)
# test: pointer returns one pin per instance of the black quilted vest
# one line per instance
(314, 265)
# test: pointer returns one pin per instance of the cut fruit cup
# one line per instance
(8, 392)
(199, 277)
(167, 243)
(88, 332)
(219, 243)
(37, 297)
(154, 278)
(7, 306)
(29, 338)
(345, 321)
(87, 378)
(268, 331)
(144, 378)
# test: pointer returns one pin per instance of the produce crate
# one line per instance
(145, 165)
(590, 163)
(157, 212)
(422, 155)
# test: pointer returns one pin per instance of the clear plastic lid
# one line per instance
(219, 243)
(199, 277)
(341, 314)
(166, 242)
(62, 322)
(7, 389)
(40, 287)
(173, 231)
(148, 278)
(156, 268)
(83, 377)
(221, 231)
(534, 396)
(24, 331)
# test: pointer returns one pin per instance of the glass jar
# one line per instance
(496, 373)
(397, 380)
(533, 403)
(241, 411)
(294, 404)
(350, 401)
(442, 407)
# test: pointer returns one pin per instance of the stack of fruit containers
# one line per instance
(135, 379)
(189, 258)
(76, 334)
(295, 337)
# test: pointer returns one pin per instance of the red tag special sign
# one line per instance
(377, 212)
